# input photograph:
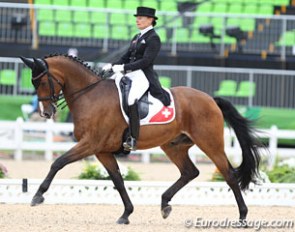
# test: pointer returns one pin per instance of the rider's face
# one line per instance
(143, 22)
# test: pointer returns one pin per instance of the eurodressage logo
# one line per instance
(200, 223)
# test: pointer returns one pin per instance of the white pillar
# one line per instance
(49, 140)
(273, 146)
(18, 136)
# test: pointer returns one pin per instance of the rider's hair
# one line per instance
(154, 23)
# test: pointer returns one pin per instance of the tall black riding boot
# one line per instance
(130, 144)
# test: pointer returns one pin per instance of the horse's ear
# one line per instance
(40, 64)
(27, 62)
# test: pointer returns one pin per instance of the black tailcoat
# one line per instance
(141, 55)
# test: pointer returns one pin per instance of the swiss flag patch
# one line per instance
(164, 115)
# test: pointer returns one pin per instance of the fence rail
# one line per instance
(144, 193)
(21, 136)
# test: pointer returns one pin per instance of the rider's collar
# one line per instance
(145, 30)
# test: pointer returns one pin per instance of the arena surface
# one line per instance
(102, 218)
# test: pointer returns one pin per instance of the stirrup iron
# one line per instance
(130, 144)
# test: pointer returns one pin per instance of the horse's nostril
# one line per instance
(47, 115)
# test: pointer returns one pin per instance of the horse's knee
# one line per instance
(190, 174)
(195, 173)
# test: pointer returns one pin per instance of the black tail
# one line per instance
(248, 171)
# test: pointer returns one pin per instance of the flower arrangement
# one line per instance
(95, 171)
(283, 172)
(3, 171)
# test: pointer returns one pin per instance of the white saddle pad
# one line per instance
(157, 114)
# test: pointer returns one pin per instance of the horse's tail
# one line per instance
(248, 170)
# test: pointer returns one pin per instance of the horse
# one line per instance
(99, 126)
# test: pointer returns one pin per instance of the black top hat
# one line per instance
(146, 11)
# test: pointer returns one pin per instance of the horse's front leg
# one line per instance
(110, 163)
(79, 151)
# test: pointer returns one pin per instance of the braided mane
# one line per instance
(76, 59)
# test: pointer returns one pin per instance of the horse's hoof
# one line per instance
(37, 200)
(122, 220)
(166, 211)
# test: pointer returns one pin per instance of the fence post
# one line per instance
(273, 146)
(18, 136)
(145, 157)
(250, 98)
(49, 140)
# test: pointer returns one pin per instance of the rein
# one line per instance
(63, 104)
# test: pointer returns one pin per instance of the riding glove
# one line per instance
(118, 68)
(107, 67)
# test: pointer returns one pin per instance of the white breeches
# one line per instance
(139, 84)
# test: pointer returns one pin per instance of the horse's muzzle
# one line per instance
(48, 113)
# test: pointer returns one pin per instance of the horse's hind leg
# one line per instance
(227, 171)
(213, 146)
(111, 165)
(178, 154)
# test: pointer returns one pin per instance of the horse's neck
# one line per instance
(77, 77)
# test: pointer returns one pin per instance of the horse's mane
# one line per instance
(76, 59)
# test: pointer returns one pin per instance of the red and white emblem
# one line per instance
(164, 115)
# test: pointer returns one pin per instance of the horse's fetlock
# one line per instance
(129, 209)
(165, 200)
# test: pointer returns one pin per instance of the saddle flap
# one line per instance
(143, 104)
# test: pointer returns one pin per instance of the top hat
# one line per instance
(146, 11)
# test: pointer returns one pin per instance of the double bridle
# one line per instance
(53, 98)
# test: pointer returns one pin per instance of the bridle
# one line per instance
(53, 98)
(36, 82)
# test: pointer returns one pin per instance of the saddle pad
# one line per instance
(158, 113)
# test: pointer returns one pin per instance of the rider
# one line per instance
(142, 52)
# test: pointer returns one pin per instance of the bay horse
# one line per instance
(99, 125)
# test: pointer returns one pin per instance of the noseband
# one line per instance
(36, 82)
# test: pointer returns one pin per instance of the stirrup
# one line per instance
(130, 144)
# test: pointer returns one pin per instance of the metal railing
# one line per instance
(274, 88)
(264, 39)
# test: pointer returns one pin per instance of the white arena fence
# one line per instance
(21, 191)
(20, 136)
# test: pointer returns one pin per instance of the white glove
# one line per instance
(118, 68)
(107, 67)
